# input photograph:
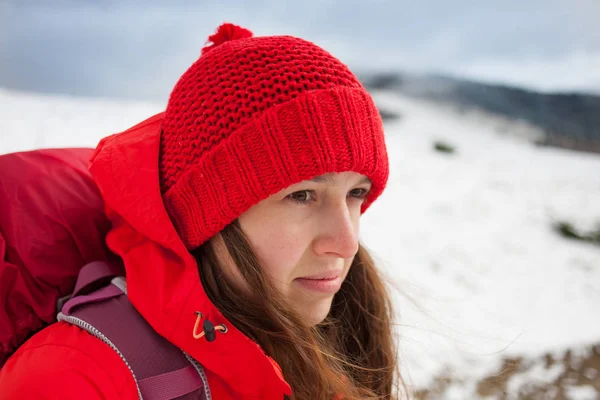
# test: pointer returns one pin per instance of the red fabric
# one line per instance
(65, 362)
(52, 222)
(255, 115)
(163, 284)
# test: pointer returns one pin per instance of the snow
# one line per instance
(33, 121)
(586, 392)
(465, 239)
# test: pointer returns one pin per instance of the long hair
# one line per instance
(350, 355)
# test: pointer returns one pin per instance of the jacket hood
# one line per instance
(162, 276)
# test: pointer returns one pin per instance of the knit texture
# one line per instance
(255, 115)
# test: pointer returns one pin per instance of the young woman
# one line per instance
(236, 214)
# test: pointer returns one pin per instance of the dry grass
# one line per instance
(580, 368)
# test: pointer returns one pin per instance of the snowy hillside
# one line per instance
(466, 238)
(568, 120)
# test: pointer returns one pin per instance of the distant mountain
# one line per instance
(570, 120)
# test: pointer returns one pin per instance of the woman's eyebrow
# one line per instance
(322, 179)
(328, 179)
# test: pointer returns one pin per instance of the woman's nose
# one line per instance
(338, 232)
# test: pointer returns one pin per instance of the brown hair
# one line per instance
(350, 355)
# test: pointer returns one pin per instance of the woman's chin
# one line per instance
(315, 312)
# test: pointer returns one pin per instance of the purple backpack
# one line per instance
(99, 305)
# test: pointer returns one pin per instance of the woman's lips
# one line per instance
(322, 283)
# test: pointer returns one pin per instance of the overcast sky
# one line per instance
(138, 49)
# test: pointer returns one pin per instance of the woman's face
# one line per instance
(305, 238)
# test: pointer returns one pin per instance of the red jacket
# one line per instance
(163, 284)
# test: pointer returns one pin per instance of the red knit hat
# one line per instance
(254, 115)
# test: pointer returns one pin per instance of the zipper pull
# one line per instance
(208, 328)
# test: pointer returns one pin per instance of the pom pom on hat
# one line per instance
(225, 33)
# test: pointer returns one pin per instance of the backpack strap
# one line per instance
(160, 369)
(171, 385)
(92, 276)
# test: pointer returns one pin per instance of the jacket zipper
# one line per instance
(86, 326)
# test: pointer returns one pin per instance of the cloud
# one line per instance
(139, 48)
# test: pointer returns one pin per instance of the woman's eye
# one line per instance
(303, 196)
(307, 196)
(359, 193)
